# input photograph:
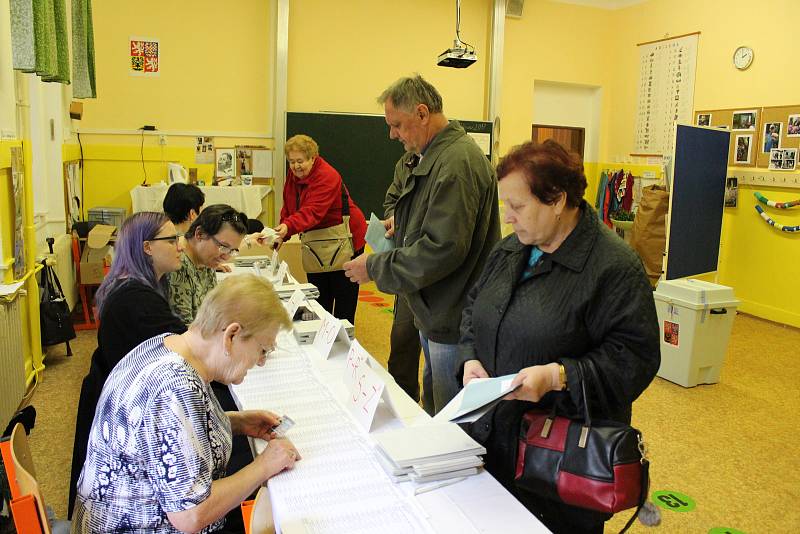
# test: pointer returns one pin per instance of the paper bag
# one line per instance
(649, 233)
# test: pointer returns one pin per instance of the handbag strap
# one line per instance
(589, 369)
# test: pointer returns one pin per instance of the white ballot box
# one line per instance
(695, 320)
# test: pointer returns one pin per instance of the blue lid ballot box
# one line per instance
(695, 319)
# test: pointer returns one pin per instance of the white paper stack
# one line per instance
(428, 452)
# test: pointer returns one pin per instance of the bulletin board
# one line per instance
(765, 116)
(723, 118)
(779, 115)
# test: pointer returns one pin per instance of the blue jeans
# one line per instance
(439, 384)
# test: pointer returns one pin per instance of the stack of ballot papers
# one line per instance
(429, 452)
(478, 397)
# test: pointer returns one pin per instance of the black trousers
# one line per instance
(337, 294)
(405, 349)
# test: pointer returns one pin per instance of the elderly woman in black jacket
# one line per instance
(561, 288)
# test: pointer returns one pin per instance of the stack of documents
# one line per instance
(248, 261)
(428, 452)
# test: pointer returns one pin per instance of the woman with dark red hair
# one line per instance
(561, 288)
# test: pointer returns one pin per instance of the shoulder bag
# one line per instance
(55, 321)
(327, 249)
(589, 463)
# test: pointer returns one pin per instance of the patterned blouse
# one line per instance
(159, 439)
(188, 286)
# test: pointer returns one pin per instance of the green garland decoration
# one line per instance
(781, 205)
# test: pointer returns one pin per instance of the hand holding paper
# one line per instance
(534, 382)
(377, 233)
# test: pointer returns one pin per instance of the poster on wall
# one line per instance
(18, 184)
(145, 56)
(666, 92)
(204, 150)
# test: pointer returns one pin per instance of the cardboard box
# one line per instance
(96, 254)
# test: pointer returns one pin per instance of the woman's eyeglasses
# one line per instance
(171, 239)
(225, 249)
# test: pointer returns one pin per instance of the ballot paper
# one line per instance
(477, 398)
(376, 235)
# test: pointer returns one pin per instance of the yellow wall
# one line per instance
(760, 263)
(214, 60)
(342, 55)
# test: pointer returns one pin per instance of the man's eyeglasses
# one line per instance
(267, 352)
(225, 249)
(172, 239)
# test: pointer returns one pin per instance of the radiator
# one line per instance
(64, 267)
(12, 367)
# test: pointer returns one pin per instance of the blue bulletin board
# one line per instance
(697, 190)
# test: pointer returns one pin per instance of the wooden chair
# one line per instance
(259, 520)
(27, 503)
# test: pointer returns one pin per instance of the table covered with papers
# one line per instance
(343, 483)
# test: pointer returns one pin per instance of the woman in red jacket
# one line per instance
(312, 199)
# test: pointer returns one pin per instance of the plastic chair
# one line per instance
(27, 503)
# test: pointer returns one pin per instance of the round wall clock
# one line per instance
(743, 57)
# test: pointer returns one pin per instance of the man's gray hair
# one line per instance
(406, 93)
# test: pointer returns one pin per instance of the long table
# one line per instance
(339, 486)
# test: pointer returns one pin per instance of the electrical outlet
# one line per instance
(162, 140)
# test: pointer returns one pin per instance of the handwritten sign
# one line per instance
(364, 386)
(294, 302)
(327, 334)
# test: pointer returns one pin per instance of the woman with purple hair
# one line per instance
(132, 308)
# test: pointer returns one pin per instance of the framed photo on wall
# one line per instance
(744, 148)
(783, 159)
(224, 163)
(772, 136)
(704, 119)
(745, 120)
(793, 126)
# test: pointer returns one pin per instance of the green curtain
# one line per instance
(83, 74)
(39, 38)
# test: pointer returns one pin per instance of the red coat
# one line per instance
(320, 203)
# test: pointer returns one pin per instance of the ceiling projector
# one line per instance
(458, 57)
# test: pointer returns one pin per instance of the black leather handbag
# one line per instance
(589, 463)
(54, 318)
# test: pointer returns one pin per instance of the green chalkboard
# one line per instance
(358, 146)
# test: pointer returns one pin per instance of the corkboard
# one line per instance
(779, 114)
(724, 117)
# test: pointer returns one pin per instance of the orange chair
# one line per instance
(27, 503)
(257, 514)
(86, 291)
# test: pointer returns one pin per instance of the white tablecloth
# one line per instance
(245, 198)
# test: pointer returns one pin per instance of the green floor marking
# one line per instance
(673, 501)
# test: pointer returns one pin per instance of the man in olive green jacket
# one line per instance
(445, 223)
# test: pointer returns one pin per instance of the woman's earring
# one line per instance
(227, 354)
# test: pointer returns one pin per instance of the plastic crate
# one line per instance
(108, 215)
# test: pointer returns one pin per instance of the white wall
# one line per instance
(565, 104)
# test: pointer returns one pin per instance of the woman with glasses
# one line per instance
(160, 441)
(212, 239)
(313, 196)
(132, 307)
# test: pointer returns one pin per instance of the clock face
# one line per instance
(743, 57)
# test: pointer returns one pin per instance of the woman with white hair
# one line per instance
(160, 442)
